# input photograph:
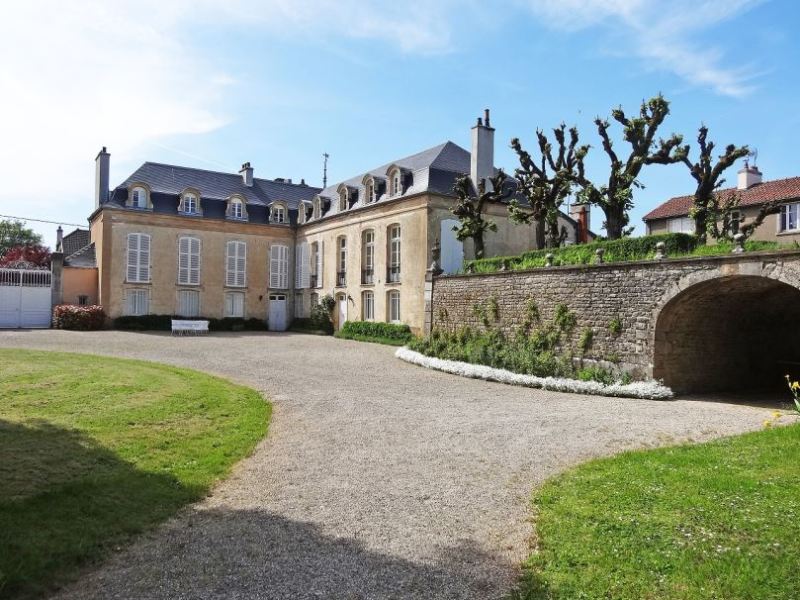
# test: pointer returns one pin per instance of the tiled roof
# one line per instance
(83, 257)
(74, 241)
(777, 189)
(172, 179)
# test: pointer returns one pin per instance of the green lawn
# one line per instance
(94, 450)
(719, 520)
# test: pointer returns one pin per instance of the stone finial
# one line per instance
(738, 243)
(470, 268)
(599, 254)
(661, 251)
(549, 258)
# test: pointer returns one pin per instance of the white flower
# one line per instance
(650, 390)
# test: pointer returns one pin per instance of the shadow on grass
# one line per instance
(65, 501)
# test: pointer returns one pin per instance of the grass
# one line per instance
(94, 450)
(678, 245)
(713, 521)
(391, 334)
(370, 338)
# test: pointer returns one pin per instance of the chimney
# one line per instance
(247, 174)
(59, 239)
(580, 213)
(101, 167)
(482, 157)
(748, 176)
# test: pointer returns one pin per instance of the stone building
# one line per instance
(784, 227)
(191, 242)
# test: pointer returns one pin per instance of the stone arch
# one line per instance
(729, 328)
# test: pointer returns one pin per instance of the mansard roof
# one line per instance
(174, 179)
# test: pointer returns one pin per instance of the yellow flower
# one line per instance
(796, 385)
(767, 423)
(776, 414)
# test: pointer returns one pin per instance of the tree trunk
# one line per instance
(539, 234)
(478, 242)
(615, 221)
(700, 225)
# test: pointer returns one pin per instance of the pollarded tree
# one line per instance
(547, 184)
(470, 208)
(709, 210)
(615, 198)
(723, 217)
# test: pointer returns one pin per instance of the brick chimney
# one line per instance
(101, 168)
(748, 176)
(247, 174)
(482, 156)
(580, 213)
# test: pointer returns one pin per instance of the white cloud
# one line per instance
(661, 34)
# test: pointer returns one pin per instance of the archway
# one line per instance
(731, 333)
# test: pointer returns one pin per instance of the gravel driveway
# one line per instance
(378, 479)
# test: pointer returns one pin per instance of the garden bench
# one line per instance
(180, 327)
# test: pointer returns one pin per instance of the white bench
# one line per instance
(181, 327)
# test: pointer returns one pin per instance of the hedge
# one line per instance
(622, 250)
(164, 323)
(366, 330)
(80, 318)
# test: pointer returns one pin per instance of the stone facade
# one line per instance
(686, 321)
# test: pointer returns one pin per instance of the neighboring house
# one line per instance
(192, 242)
(673, 215)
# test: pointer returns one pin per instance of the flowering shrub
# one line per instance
(81, 318)
(794, 388)
(651, 390)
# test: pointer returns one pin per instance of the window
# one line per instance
(316, 264)
(368, 306)
(341, 265)
(343, 200)
(396, 187)
(139, 197)
(394, 306)
(368, 258)
(680, 225)
(236, 210)
(298, 306)
(279, 214)
(83, 300)
(137, 302)
(316, 210)
(393, 274)
(279, 267)
(235, 264)
(234, 304)
(790, 217)
(188, 261)
(302, 274)
(188, 303)
(191, 204)
(370, 191)
(138, 258)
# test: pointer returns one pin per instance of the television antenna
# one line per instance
(325, 157)
(754, 155)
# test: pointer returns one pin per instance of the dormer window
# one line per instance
(237, 208)
(370, 191)
(278, 213)
(316, 212)
(343, 197)
(396, 186)
(139, 197)
(190, 203)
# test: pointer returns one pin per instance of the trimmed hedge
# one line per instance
(79, 318)
(164, 323)
(369, 330)
(622, 250)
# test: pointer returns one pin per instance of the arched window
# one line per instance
(343, 198)
(138, 197)
(370, 191)
(341, 261)
(397, 187)
(393, 258)
(237, 208)
(190, 203)
(278, 213)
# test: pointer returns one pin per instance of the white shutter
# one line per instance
(144, 257)
(305, 271)
(285, 267)
(236, 264)
(138, 267)
(298, 266)
(184, 244)
(274, 266)
(194, 261)
(133, 257)
(320, 262)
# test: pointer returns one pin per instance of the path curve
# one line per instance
(378, 479)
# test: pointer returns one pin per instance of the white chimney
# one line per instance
(247, 174)
(101, 168)
(482, 157)
(748, 176)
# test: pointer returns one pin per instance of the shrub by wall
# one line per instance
(164, 323)
(80, 318)
(372, 331)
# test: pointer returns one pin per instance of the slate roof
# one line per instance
(760, 193)
(83, 257)
(74, 241)
(173, 179)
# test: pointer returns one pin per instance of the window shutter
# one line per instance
(194, 261)
(298, 266)
(230, 264)
(144, 257)
(305, 271)
(320, 263)
(183, 260)
(236, 264)
(133, 257)
(274, 266)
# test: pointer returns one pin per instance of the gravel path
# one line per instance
(378, 479)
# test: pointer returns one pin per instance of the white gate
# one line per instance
(277, 312)
(25, 298)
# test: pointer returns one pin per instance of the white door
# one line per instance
(452, 257)
(277, 312)
(25, 298)
(342, 311)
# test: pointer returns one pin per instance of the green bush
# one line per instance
(391, 333)
(80, 318)
(164, 323)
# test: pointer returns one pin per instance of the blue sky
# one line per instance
(212, 84)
